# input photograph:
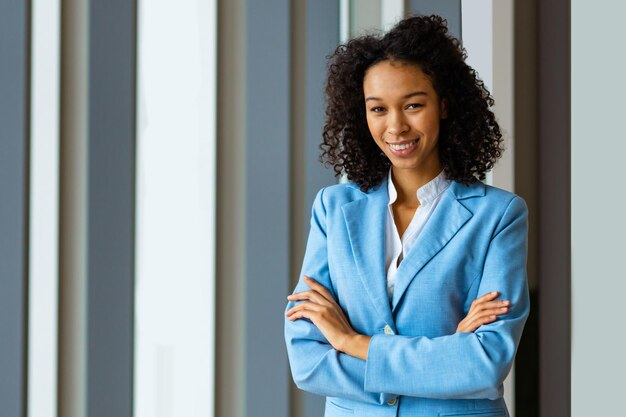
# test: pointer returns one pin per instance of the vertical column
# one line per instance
(502, 89)
(526, 103)
(316, 35)
(14, 165)
(598, 363)
(230, 386)
(392, 11)
(448, 9)
(266, 256)
(96, 273)
(175, 220)
(365, 17)
(110, 205)
(73, 176)
(503, 174)
(555, 208)
(44, 209)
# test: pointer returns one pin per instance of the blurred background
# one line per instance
(158, 161)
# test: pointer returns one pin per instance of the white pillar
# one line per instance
(597, 192)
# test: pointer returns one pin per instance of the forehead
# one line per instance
(395, 78)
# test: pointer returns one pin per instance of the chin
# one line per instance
(404, 164)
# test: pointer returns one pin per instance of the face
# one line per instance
(403, 115)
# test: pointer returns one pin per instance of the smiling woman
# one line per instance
(403, 115)
(469, 137)
(413, 291)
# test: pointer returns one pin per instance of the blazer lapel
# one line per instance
(365, 220)
(449, 216)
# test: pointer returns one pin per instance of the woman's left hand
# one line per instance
(319, 306)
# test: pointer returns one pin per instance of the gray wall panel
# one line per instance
(267, 205)
(322, 37)
(14, 137)
(111, 207)
(448, 9)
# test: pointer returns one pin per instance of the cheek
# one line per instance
(429, 125)
(374, 127)
(435, 130)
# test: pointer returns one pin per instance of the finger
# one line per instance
(311, 295)
(496, 304)
(496, 310)
(306, 295)
(477, 316)
(490, 294)
(314, 316)
(489, 305)
(462, 327)
(478, 306)
(304, 314)
(293, 310)
(488, 319)
(319, 288)
(305, 305)
(489, 316)
(468, 325)
(488, 313)
(474, 325)
(486, 297)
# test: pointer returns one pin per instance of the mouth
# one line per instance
(403, 148)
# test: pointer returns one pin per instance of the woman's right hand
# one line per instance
(484, 310)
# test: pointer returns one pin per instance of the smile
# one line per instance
(402, 148)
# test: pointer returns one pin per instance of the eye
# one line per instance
(414, 106)
(377, 109)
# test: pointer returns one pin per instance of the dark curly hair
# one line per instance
(469, 140)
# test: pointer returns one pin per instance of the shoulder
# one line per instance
(489, 193)
(334, 196)
(483, 197)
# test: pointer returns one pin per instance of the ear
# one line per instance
(444, 110)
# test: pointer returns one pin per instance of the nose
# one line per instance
(396, 124)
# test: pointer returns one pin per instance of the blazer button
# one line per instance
(388, 330)
(392, 401)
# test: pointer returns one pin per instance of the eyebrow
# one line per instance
(416, 93)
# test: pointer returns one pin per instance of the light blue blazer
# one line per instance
(475, 242)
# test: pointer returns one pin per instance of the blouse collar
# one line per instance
(427, 193)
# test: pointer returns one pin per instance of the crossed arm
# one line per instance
(319, 306)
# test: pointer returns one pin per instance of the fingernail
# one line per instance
(505, 302)
(494, 292)
(503, 309)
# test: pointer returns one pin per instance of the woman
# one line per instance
(385, 320)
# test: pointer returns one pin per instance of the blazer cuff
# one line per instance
(375, 364)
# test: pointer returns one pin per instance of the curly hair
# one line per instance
(469, 140)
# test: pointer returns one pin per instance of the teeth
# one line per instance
(402, 146)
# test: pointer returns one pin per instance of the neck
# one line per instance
(408, 181)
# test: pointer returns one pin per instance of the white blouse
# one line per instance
(396, 247)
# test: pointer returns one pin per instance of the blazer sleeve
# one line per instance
(463, 365)
(315, 365)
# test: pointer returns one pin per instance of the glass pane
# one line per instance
(175, 253)
(44, 209)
